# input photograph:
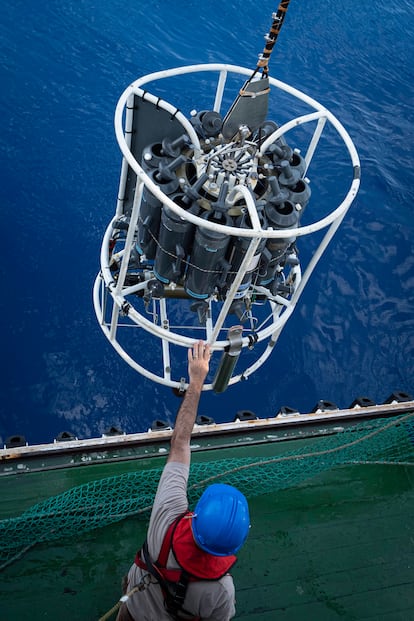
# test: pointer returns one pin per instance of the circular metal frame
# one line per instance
(280, 307)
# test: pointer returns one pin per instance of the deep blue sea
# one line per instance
(64, 63)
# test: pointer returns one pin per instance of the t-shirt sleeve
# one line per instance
(170, 502)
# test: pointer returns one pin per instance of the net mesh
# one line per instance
(105, 501)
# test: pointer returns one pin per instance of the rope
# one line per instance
(304, 455)
(271, 38)
(185, 261)
(375, 454)
(110, 612)
(144, 584)
(19, 555)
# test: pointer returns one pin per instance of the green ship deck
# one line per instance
(338, 545)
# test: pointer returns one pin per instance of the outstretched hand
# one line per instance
(198, 362)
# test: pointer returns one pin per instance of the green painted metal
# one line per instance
(340, 546)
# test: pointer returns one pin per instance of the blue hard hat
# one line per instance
(221, 520)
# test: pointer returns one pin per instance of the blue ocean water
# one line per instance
(63, 66)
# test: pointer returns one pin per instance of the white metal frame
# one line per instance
(280, 307)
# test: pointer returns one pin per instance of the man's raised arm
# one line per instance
(198, 365)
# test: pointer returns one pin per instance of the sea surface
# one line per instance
(63, 66)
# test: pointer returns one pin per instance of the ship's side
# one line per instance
(328, 540)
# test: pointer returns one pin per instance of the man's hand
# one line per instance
(198, 363)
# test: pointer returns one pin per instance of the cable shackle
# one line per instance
(272, 36)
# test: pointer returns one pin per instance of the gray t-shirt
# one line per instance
(211, 600)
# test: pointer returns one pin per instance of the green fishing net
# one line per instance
(105, 501)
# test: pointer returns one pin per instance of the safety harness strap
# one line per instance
(167, 542)
(174, 592)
